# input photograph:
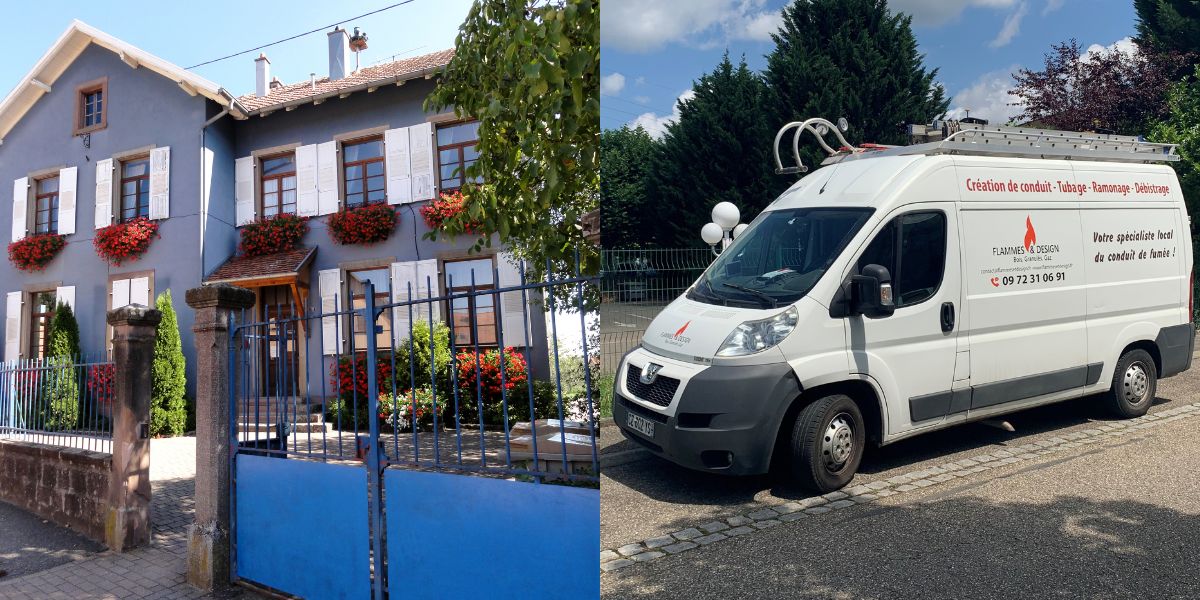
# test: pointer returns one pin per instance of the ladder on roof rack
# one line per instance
(983, 140)
(993, 140)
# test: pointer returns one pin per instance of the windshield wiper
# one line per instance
(771, 303)
(710, 294)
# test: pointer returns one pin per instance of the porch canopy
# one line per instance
(289, 268)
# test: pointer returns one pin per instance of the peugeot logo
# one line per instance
(650, 373)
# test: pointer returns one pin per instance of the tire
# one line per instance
(828, 438)
(1134, 384)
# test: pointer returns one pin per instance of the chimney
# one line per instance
(262, 75)
(276, 83)
(339, 54)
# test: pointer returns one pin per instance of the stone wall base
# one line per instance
(66, 486)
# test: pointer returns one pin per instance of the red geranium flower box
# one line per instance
(448, 208)
(34, 252)
(272, 234)
(123, 242)
(363, 225)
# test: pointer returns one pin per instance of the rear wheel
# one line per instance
(827, 443)
(1134, 384)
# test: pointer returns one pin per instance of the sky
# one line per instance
(188, 33)
(651, 52)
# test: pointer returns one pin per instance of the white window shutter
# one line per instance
(330, 283)
(420, 146)
(104, 189)
(327, 178)
(427, 287)
(20, 204)
(66, 295)
(306, 180)
(12, 328)
(139, 291)
(512, 309)
(68, 184)
(243, 190)
(395, 147)
(120, 293)
(160, 183)
(404, 274)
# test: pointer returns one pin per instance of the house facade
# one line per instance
(101, 132)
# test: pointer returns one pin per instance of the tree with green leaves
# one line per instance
(528, 70)
(854, 59)
(1182, 127)
(1168, 26)
(627, 162)
(168, 409)
(719, 150)
(63, 411)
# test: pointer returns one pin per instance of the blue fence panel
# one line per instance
(450, 536)
(302, 527)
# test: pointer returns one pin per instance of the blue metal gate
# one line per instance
(411, 455)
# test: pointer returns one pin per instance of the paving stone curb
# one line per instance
(767, 516)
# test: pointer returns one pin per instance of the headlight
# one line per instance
(756, 336)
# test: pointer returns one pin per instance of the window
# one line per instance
(362, 172)
(919, 240)
(383, 293)
(135, 189)
(46, 206)
(90, 106)
(39, 324)
(472, 318)
(456, 152)
(279, 185)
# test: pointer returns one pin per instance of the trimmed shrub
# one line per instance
(168, 409)
(63, 390)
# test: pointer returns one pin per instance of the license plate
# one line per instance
(640, 424)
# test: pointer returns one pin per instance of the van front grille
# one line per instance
(661, 392)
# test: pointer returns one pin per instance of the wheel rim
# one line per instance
(837, 444)
(1135, 385)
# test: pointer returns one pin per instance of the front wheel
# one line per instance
(1134, 383)
(827, 443)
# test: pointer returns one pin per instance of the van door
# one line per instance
(911, 353)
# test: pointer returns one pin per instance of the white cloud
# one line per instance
(1125, 45)
(1052, 5)
(642, 99)
(1011, 27)
(641, 80)
(612, 84)
(639, 26)
(655, 125)
(987, 98)
(934, 13)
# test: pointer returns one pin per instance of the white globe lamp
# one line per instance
(739, 229)
(711, 233)
(726, 215)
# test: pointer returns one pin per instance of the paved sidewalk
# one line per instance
(157, 571)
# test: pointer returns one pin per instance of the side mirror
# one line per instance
(871, 292)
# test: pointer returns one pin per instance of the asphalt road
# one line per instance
(1112, 520)
(28, 544)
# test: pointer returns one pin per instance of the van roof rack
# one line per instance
(955, 137)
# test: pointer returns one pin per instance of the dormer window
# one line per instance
(91, 106)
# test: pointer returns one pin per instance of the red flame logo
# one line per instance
(1030, 234)
(682, 329)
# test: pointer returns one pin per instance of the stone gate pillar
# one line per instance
(127, 523)
(208, 537)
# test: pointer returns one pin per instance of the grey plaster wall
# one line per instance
(144, 109)
(390, 106)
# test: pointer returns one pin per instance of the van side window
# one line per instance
(918, 240)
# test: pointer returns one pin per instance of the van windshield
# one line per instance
(780, 257)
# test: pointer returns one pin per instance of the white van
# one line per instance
(903, 290)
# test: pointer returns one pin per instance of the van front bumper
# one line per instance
(722, 419)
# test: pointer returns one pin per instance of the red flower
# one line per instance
(272, 234)
(100, 382)
(448, 208)
(34, 252)
(363, 225)
(488, 365)
(120, 242)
